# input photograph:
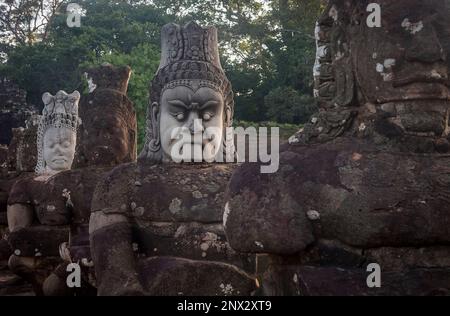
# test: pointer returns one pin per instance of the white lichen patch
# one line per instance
(91, 85)
(313, 215)
(181, 231)
(435, 74)
(87, 263)
(259, 244)
(51, 208)
(204, 246)
(211, 240)
(293, 140)
(362, 127)
(226, 213)
(227, 289)
(322, 51)
(17, 252)
(389, 63)
(295, 278)
(379, 68)
(412, 28)
(197, 194)
(66, 195)
(333, 13)
(175, 205)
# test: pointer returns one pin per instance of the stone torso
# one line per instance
(58, 201)
(174, 210)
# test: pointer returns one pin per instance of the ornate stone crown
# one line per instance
(187, 53)
(60, 111)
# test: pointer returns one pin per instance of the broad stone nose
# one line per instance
(195, 124)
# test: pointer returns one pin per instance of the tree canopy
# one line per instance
(267, 48)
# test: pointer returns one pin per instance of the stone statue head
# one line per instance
(392, 80)
(56, 139)
(189, 93)
(108, 134)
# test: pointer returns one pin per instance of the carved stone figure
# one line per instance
(155, 226)
(59, 234)
(56, 140)
(107, 136)
(366, 181)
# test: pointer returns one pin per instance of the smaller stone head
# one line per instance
(108, 134)
(191, 100)
(56, 139)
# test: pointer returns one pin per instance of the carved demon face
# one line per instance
(191, 122)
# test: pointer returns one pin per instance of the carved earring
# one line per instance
(155, 142)
(228, 141)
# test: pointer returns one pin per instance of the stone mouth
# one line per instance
(59, 160)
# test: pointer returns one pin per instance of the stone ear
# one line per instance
(47, 98)
(154, 116)
(155, 105)
(155, 112)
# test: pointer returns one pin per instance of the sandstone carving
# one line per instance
(369, 172)
(155, 222)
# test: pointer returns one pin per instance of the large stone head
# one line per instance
(399, 69)
(108, 134)
(190, 96)
(56, 139)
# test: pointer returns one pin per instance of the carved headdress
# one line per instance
(60, 111)
(189, 56)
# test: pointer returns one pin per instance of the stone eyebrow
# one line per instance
(209, 103)
(178, 104)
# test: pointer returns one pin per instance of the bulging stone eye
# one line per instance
(206, 116)
(180, 116)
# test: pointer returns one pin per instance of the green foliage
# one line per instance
(267, 50)
(144, 61)
(285, 104)
(286, 129)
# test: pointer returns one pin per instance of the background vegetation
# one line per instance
(267, 48)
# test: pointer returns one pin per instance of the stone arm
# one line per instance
(27, 239)
(19, 216)
(113, 256)
(261, 216)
